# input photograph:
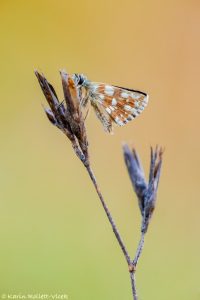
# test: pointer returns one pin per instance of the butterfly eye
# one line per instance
(81, 79)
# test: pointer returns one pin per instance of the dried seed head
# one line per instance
(146, 193)
(73, 112)
(151, 193)
(67, 117)
(136, 174)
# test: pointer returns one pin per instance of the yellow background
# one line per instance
(54, 235)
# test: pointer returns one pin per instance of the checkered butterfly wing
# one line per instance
(114, 104)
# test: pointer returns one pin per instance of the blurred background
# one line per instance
(54, 235)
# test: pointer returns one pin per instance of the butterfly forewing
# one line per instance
(122, 105)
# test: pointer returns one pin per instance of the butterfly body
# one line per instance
(112, 104)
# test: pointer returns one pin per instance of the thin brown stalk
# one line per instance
(110, 218)
(139, 249)
(133, 285)
(118, 236)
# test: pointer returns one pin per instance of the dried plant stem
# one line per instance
(67, 116)
(135, 261)
(131, 264)
(139, 249)
(133, 285)
(112, 223)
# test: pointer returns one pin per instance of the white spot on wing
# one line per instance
(134, 111)
(109, 90)
(118, 121)
(136, 103)
(127, 107)
(124, 95)
(114, 102)
(136, 95)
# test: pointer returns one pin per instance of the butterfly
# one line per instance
(112, 104)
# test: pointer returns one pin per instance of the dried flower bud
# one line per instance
(136, 174)
(73, 112)
(151, 193)
(67, 117)
(146, 193)
(51, 116)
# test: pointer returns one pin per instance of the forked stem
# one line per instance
(131, 264)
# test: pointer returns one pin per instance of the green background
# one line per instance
(54, 235)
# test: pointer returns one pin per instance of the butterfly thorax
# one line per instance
(82, 84)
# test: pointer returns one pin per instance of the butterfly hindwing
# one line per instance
(122, 105)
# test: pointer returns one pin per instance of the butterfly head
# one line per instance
(80, 79)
